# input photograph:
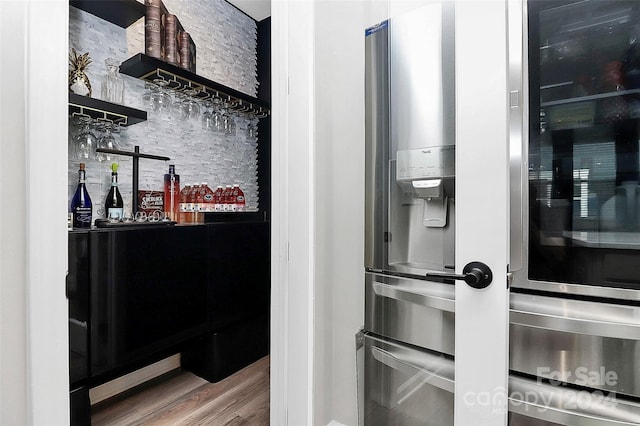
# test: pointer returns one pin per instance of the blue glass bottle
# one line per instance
(81, 207)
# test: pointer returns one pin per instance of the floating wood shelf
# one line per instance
(122, 13)
(99, 109)
(173, 77)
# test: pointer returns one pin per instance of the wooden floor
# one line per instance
(186, 399)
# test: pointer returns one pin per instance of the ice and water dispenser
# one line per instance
(422, 209)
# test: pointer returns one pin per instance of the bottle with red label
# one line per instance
(185, 210)
(228, 199)
(219, 198)
(207, 198)
(198, 204)
(192, 202)
(239, 198)
(223, 199)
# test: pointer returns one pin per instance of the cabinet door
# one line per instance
(148, 293)
(78, 295)
(239, 267)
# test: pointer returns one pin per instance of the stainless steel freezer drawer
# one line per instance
(533, 403)
(405, 386)
(591, 344)
(414, 311)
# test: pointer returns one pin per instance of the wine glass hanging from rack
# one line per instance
(94, 135)
(201, 92)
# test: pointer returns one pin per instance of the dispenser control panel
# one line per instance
(426, 163)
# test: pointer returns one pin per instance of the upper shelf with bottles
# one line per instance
(571, 17)
(586, 97)
(587, 60)
(579, 41)
(124, 13)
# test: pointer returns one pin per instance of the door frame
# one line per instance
(482, 211)
(33, 233)
(292, 223)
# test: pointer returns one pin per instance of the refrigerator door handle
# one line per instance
(518, 109)
(433, 370)
(569, 406)
(476, 274)
(405, 294)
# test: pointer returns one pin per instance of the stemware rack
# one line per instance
(103, 110)
(175, 78)
(136, 155)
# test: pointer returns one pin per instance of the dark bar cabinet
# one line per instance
(140, 294)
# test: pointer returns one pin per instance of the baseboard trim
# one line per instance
(133, 379)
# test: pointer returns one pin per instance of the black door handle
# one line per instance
(476, 274)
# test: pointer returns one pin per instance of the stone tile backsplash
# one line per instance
(226, 53)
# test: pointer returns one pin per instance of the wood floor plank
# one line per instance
(220, 409)
(202, 399)
(146, 401)
(236, 421)
(226, 408)
(256, 411)
(240, 399)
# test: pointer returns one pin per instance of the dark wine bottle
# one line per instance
(81, 207)
(113, 206)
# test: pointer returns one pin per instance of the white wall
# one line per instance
(13, 345)
(339, 184)
(339, 226)
(34, 377)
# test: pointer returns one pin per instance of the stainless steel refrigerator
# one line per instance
(574, 351)
(575, 311)
(410, 218)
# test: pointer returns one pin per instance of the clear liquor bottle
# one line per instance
(112, 83)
